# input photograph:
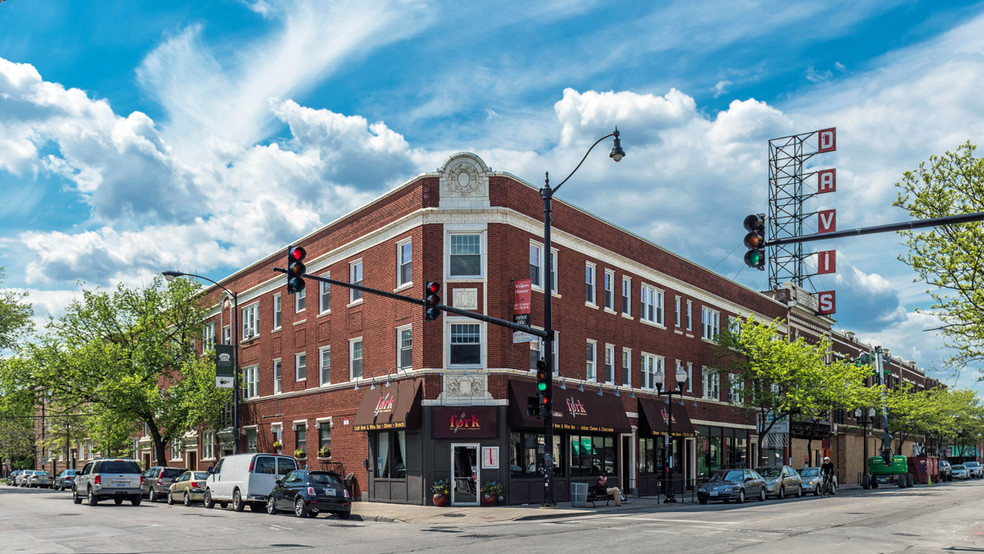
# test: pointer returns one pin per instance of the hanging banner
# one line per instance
(522, 300)
(225, 367)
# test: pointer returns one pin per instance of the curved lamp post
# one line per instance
(170, 276)
(547, 193)
(681, 378)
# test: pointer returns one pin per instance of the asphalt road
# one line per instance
(936, 519)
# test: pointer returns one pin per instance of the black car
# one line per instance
(308, 493)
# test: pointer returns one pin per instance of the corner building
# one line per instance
(361, 384)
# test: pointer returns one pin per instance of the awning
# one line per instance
(654, 415)
(573, 410)
(394, 407)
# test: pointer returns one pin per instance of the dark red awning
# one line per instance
(573, 410)
(395, 407)
(654, 416)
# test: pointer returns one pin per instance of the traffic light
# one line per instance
(755, 241)
(295, 269)
(542, 387)
(431, 300)
(533, 405)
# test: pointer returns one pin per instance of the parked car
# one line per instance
(157, 480)
(308, 493)
(975, 469)
(40, 479)
(189, 488)
(24, 478)
(781, 481)
(960, 471)
(946, 474)
(245, 478)
(119, 479)
(732, 484)
(65, 479)
(12, 477)
(812, 481)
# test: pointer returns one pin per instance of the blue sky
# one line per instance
(138, 136)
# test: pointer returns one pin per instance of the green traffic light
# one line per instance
(541, 386)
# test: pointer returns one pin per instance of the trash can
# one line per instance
(579, 495)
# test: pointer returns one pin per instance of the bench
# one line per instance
(598, 493)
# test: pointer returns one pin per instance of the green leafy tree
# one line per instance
(128, 356)
(16, 407)
(949, 258)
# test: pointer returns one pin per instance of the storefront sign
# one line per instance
(490, 457)
(573, 410)
(396, 407)
(465, 422)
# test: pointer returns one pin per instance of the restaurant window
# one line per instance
(709, 451)
(525, 454)
(592, 455)
(391, 451)
(650, 451)
(737, 447)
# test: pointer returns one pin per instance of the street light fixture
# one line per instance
(547, 193)
(681, 378)
(860, 414)
(170, 276)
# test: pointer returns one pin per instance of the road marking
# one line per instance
(670, 520)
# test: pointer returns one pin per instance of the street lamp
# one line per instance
(170, 275)
(865, 421)
(547, 193)
(681, 378)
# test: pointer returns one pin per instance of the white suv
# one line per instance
(245, 478)
(119, 479)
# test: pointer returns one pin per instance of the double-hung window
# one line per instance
(300, 366)
(277, 311)
(466, 344)
(465, 255)
(324, 438)
(404, 340)
(536, 352)
(591, 366)
(324, 295)
(627, 296)
(300, 300)
(710, 323)
(735, 388)
(589, 283)
(536, 265)
(355, 278)
(610, 364)
(651, 365)
(678, 314)
(609, 290)
(208, 337)
(324, 362)
(712, 385)
(355, 358)
(250, 326)
(300, 436)
(651, 304)
(404, 253)
(278, 370)
(627, 366)
(690, 322)
(251, 384)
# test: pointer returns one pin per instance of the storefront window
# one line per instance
(709, 452)
(592, 455)
(525, 454)
(648, 462)
(737, 447)
(391, 451)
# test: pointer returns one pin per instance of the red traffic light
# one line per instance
(295, 269)
(296, 253)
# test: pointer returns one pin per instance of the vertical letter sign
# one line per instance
(828, 221)
(225, 370)
(826, 261)
(827, 302)
(827, 140)
(826, 181)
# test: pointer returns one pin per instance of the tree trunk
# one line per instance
(159, 450)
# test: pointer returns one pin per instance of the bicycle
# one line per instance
(827, 487)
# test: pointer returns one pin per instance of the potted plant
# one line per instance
(278, 444)
(324, 452)
(440, 490)
(491, 491)
(300, 453)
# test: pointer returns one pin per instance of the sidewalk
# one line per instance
(403, 513)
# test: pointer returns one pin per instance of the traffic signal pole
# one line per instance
(901, 226)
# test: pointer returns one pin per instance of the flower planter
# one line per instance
(440, 500)
(489, 500)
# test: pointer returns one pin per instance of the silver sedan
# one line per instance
(781, 481)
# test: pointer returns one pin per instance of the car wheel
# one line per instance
(799, 491)
(782, 493)
(153, 496)
(170, 499)
(741, 496)
(187, 499)
(93, 500)
(271, 506)
(702, 500)
(207, 500)
(346, 515)
(75, 497)
(237, 501)
(762, 495)
(816, 490)
(117, 501)
(135, 500)
(300, 508)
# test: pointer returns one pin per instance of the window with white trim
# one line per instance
(404, 346)
(355, 358)
(465, 346)
(300, 366)
(404, 262)
(651, 304)
(324, 437)
(610, 364)
(251, 436)
(591, 365)
(227, 334)
(710, 323)
(277, 311)
(712, 384)
(355, 278)
(536, 264)
(679, 301)
(690, 377)
(553, 270)
(176, 449)
(536, 352)
(609, 290)
(278, 376)
(300, 300)
(627, 296)
(690, 326)
(251, 381)
(589, 283)
(208, 445)
(250, 327)
(208, 337)
(465, 255)
(324, 295)
(651, 365)
(627, 366)
(324, 364)
(736, 388)
(300, 437)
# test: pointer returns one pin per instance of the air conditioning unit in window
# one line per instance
(248, 334)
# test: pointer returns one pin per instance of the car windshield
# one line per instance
(326, 479)
(41, 473)
(810, 472)
(769, 471)
(172, 472)
(971, 464)
(958, 466)
(729, 475)
(119, 466)
(201, 475)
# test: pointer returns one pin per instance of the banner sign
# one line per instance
(225, 367)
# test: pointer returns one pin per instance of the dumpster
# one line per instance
(921, 467)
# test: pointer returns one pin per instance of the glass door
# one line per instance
(464, 469)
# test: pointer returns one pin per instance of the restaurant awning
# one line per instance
(394, 407)
(654, 415)
(573, 410)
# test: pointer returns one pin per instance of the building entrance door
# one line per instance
(466, 479)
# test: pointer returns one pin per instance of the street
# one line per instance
(922, 519)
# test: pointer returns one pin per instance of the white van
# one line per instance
(245, 478)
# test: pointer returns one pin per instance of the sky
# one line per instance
(138, 136)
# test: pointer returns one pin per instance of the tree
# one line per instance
(784, 377)
(128, 358)
(949, 258)
(16, 408)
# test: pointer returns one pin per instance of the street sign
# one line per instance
(224, 382)
(520, 336)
